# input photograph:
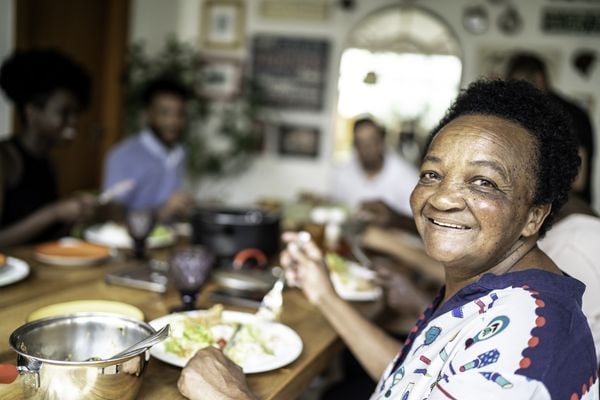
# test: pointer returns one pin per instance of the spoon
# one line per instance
(142, 344)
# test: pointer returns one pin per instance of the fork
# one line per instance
(271, 305)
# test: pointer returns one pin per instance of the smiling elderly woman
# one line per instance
(508, 322)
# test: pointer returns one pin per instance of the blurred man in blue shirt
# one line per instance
(152, 162)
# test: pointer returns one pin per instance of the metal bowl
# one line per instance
(64, 357)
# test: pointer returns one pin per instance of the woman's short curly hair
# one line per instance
(520, 102)
(32, 76)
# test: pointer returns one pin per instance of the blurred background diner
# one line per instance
(224, 123)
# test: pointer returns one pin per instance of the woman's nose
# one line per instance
(447, 197)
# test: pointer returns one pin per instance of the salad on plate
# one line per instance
(253, 344)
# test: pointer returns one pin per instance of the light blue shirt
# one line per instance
(155, 170)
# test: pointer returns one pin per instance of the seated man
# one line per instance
(152, 162)
(373, 173)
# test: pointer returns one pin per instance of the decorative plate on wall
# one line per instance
(476, 20)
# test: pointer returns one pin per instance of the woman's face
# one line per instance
(474, 198)
(57, 118)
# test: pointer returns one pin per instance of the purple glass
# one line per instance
(190, 268)
(140, 224)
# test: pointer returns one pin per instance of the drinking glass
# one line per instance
(190, 269)
(140, 223)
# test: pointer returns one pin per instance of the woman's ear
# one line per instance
(535, 219)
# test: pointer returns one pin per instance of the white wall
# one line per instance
(7, 19)
(272, 175)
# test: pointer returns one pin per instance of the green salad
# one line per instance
(192, 333)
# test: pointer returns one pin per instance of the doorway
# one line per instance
(402, 66)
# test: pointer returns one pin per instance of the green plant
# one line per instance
(230, 124)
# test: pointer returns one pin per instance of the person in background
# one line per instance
(49, 91)
(374, 175)
(507, 323)
(152, 162)
(531, 68)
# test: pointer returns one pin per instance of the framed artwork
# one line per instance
(301, 141)
(291, 71)
(223, 24)
(221, 79)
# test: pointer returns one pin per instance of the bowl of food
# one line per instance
(69, 357)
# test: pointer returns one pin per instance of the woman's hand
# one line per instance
(210, 375)
(305, 268)
(77, 208)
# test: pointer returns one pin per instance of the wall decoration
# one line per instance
(475, 20)
(571, 20)
(291, 72)
(299, 10)
(585, 62)
(299, 141)
(223, 24)
(221, 79)
(510, 21)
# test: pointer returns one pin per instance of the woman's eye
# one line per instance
(429, 176)
(484, 182)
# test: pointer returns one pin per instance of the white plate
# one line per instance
(285, 343)
(14, 271)
(89, 255)
(350, 290)
(115, 235)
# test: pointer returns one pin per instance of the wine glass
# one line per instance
(140, 223)
(190, 269)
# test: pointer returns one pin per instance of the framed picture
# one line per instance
(223, 24)
(221, 79)
(299, 141)
(290, 71)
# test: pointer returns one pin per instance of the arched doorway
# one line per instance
(402, 65)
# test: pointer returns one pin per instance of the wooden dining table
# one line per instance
(47, 284)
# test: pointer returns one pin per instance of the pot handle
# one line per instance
(248, 254)
(8, 373)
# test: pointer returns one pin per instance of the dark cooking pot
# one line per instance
(228, 232)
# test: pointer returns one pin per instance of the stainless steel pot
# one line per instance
(56, 357)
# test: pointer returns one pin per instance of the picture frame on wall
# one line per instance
(221, 79)
(223, 24)
(290, 71)
(299, 141)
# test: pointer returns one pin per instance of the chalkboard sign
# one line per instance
(565, 20)
(290, 71)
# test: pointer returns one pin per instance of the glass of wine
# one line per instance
(190, 268)
(140, 223)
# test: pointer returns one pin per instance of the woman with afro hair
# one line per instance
(49, 91)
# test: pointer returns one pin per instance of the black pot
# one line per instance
(229, 231)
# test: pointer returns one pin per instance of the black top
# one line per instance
(583, 131)
(36, 188)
